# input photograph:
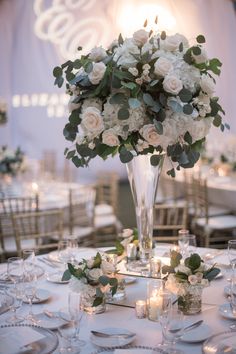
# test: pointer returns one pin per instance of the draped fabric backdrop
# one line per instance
(36, 108)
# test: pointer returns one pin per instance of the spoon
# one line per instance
(188, 328)
(114, 335)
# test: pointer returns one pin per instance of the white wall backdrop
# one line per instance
(36, 35)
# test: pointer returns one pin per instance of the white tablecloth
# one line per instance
(148, 332)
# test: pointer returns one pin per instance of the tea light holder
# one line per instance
(140, 309)
(131, 251)
(155, 267)
(154, 300)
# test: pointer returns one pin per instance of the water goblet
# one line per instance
(233, 295)
(76, 314)
(30, 288)
(29, 259)
(17, 293)
(15, 269)
(232, 254)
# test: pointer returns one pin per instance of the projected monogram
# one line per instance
(71, 23)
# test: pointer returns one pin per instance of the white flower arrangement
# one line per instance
(12, 162)
(126, 237)
(93, 278)
(3, 111)
(146, 94)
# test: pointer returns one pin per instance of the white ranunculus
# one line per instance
(150, 134)
(193, 280)
(172, 84)
(202, 58)
(94, 274)
(140, 37)
(92, 120)
(110, 138)
(162, 66)
(107, 267)
(127, 233)
(207, 84)
(172, 43)
(97, 54)
(97, 73)
(71, 105)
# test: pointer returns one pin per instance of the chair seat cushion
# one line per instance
(218, 222)
(102, 209)
(79, 231)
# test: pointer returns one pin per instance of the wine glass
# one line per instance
(15, 269)
(29, 259)
(17, 293)
(30, 288)
(232, 253)
(76, 314)
(172, 323)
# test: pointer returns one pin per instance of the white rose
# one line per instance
(172, 84)
(94, 274)
(96, 75)
(107, 267)
(183, 269)
(127, 233)
(199, 276)
(172, 43)
(162, 67)
(90, 263)
(202, 58)
(199, 128)
(110, 138)
(92, 119)
(123, 54)
(207, 84)
(150, 134)
(97, 54)
(71, 105)
(193, 280)
(140, 37)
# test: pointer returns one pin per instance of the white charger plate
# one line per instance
(41, 296)
(112, 341)
(225, 311)
(50, 322)
(140, 349)
(56, 278)
(197, 335)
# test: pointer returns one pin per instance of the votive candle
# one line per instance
(140, 309)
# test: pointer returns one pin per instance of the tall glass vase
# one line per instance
(143, 179)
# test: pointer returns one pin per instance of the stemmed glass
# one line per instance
(15, 274)
(70, 331)
(232, 253)
(187, 244)
(29, 260)
(30, 288)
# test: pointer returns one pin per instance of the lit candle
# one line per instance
(154, 306)
(140, 308)
(35, 187)
(155, 267)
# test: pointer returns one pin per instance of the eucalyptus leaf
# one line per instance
(159, 127)
(123, 114)
(57, 71)
(134, 103)
(200, 39)
(188, 109)
(185, 95)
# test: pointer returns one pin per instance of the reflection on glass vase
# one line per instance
(88, 307)
(190, 299)
(143, 178)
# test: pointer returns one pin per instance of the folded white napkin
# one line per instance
(133, 351)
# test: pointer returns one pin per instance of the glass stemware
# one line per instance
(232, 254)
(17, 293)
(29, 260)
(15, 269)
(187, 244)
(30, 288)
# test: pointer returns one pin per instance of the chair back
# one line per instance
(107, 189)
(168, 219)
(40, 226)
(200, 198)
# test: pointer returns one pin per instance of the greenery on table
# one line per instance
(11, 161)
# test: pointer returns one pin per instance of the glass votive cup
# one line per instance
(155, 267)
(140, 309)
(154, 300)
(131, 251)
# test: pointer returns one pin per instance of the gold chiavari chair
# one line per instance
(168, 220)
(48, 164)
(9, 207)
(38, 227)
(214, 231)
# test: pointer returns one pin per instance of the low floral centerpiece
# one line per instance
(3, 111)
(11, 161)
(127, 237)
(93, 278)
(187, 278)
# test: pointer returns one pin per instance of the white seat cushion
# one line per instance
(218, 222)
(79, 231)
(102, 209)
(10, 244)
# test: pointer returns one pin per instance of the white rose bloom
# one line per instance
(71, 105)
(172, 43)
(183, 269)
(107, 267)
(141, 145)
(92, 120)
(207, 84)
(133, 71)
(127, 233)
(193, 280)
(97, 54)
(149, 133)
(172, 84)
(92, 102)
(146, 67)
(110, 138)
(94, 274)
(97, 73)
(202, 58)
(90, 263)
(123, 53)
(199, 276)
(162, 66)
(140, 37)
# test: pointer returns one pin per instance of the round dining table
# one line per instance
(122, 315)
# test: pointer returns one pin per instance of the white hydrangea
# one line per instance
(172, 42)
(97, 54)
(92, 102)
(123, 53)
(97, 73)
(199, 128)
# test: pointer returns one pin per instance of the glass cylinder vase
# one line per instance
(190, 299)
(143, 178)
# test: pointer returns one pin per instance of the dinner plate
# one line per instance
(224, 342)
(198, 334)
(41, 296)
(56, 278)
(225, 311)
(112, 341)
(136, 349)
(50, 322)
(27, 339)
